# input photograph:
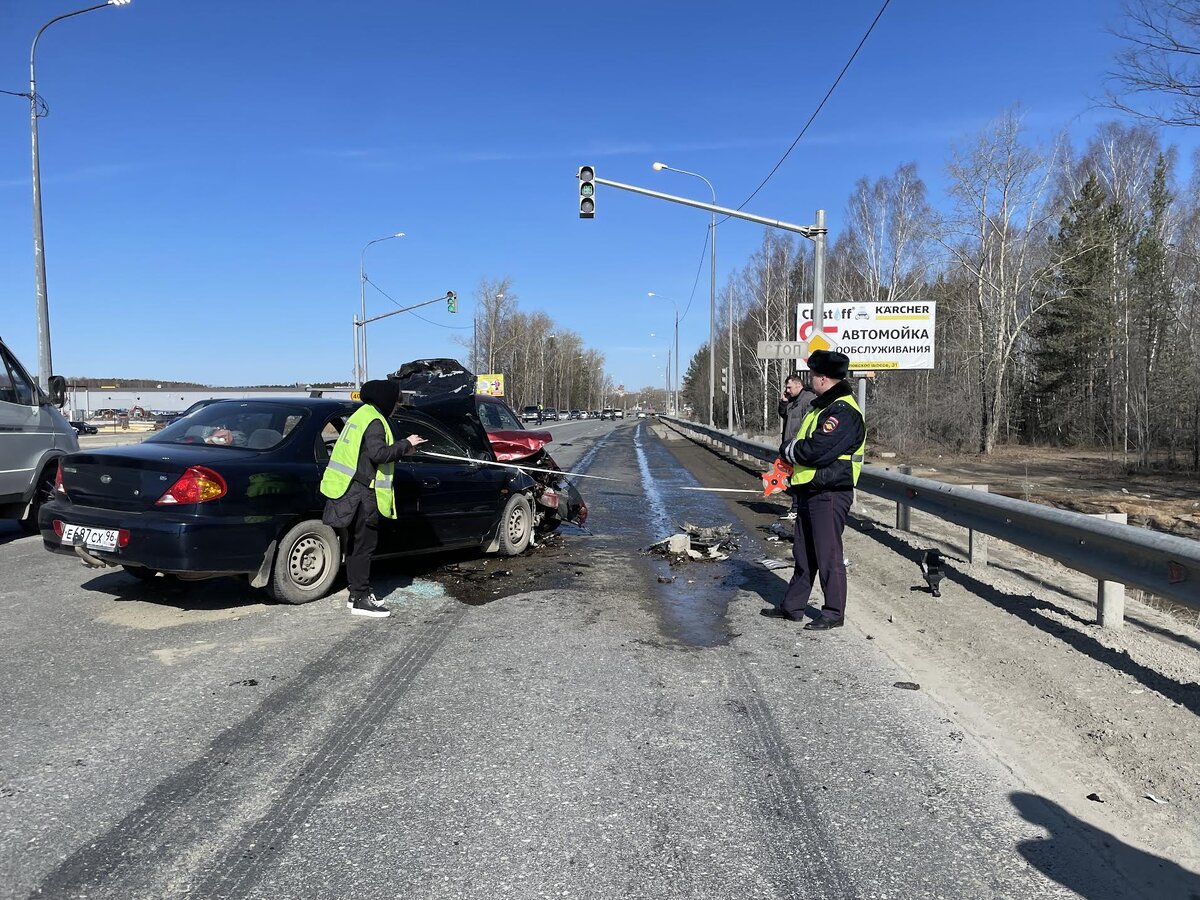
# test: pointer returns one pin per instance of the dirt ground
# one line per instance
(1013, 651)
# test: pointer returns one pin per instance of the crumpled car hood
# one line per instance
(511, 445)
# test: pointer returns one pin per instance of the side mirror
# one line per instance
(58, 390)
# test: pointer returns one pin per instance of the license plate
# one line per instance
(95, 538)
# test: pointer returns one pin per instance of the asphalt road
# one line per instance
(582, 729)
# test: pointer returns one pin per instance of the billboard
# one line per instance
(876, 336)
(492, 385)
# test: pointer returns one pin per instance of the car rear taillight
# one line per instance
(58, 527)
(197, 485)
(59, 489)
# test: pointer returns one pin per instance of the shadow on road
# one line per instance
(1033, 611)
(1067, 857)
(209, 594)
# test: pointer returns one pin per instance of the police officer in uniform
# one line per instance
(827, 453)
(358, 483)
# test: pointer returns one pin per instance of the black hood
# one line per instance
(381, 394)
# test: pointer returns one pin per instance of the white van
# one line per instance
(33, 436)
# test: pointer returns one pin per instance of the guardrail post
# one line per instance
(977, 542)
(903, 511)
(1110, 595)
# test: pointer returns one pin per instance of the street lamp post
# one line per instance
(39, 248)
(675, 393)
(712, 307)
(360, 345)
(542, 372)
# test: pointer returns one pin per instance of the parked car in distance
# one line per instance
(550, 414)
(34, 434)
(233, 489)
(620, 413)
(564, 415)
(531, 414)
(607, 414)
(577, 414)
(84, 428)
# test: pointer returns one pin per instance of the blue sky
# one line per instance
(211, 170)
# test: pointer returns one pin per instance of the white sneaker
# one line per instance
(789, 516)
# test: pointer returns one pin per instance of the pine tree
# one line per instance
(1073, 332)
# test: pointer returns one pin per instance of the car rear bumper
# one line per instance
(173, 543)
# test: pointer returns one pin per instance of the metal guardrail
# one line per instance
(1163, 564)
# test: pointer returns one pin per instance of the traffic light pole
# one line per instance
(360, 324)
(815, 233)
(808, 231)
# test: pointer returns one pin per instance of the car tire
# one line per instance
(141, 573)
(516, 525)
(306, 564)
(42, 492)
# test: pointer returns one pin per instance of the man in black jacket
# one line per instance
(793, 407)
(827, 454)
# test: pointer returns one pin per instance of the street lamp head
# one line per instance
(658, 166)
(397, 234)
(119, 2)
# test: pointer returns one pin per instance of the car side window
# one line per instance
(435, 441)
(14, 386)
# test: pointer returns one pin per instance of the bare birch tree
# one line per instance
(996, 233)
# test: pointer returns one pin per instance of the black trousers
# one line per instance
(361, 538)
(817, 550)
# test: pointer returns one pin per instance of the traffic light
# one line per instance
(587, 192)
(725, 379)
(451, 302)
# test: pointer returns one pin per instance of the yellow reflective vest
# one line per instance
(803, 474)
(343, 464)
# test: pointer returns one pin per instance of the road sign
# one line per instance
(874, 335)
(355, 395)
(782, 350)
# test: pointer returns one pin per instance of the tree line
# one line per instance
(542, 362)
(1066, 285)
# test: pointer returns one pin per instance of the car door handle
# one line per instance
(430, 482)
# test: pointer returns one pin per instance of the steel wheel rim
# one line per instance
(308, 560)
(517, 525)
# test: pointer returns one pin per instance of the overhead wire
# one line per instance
(699, 269)
(820, 106)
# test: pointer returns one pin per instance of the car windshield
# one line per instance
(248, 425)
(497, 417)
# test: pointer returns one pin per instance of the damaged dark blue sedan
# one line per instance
(232, 489)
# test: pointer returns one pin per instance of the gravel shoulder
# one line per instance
(1013, 653)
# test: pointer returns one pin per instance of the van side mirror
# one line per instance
(58, 390)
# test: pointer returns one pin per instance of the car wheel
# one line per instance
(516, 525)
(41, 493)
(307, 562)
